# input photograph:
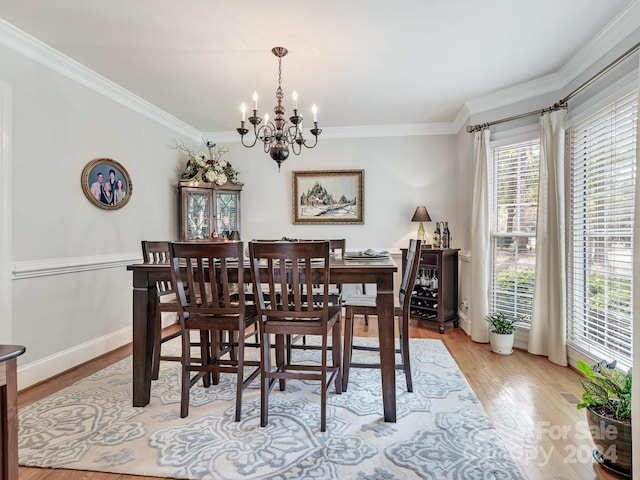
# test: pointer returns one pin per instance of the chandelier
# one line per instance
(278, 135)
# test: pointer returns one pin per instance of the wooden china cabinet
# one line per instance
(206, 208)
(434, 296)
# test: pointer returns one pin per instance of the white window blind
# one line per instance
(515, 203)
(600, 259)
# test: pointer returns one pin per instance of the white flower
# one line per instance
(211, 176)
(222, 179)
(201, 159)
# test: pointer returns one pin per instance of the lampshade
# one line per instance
(421, 215)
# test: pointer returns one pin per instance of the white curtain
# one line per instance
(480, 238)
(635, 393)
(548, 321)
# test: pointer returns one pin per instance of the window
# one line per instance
(513, 233)
(600, 258)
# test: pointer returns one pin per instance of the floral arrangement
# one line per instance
(214, 169)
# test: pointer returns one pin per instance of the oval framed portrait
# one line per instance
(106, 184)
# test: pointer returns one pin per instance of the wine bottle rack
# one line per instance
(434, 296)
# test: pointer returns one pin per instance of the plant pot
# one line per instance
(501, 343)
(612, 439)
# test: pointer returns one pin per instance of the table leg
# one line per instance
(145, 302)
(387, 345)
(9, 429)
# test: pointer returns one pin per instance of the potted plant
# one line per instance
(607, 398)
(501, 333)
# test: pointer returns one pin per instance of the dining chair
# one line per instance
(211, 301)
(336, 247)
(158, 252)
(287, 267)
(367, 305)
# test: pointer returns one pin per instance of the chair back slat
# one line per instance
(157, 252)
(280, 269)
(410, 273)
(335, 290)
(214, 276)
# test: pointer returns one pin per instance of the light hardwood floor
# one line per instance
(530, 401)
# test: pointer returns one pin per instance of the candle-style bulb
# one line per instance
(314, 109)
(255, 100)
(243, 109)
(294, 95)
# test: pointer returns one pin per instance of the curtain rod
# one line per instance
(561, 103)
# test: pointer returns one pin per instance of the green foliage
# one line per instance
(507, 280)
(499, 323)
(513, 293)
(614, 294)
(607, 388)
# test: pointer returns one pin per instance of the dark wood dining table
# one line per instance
(378, 271)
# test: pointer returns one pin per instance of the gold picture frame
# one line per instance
(95, 176)
(328, 197)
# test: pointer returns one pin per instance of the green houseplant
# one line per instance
(607, 398)
(501, 332)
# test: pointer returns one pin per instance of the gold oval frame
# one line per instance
(105, 165)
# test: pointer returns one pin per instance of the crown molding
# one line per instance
(517, 93)
(623, 25)
(23, 43)
(461, 119)
(365, 131)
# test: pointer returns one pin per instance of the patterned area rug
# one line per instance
(441, 433)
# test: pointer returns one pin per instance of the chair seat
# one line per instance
(168, 302)
(359, 301)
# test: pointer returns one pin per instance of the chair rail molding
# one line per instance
(43, 268)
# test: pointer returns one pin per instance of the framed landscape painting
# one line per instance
(328, 196)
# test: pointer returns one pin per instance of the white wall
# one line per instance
(70, 293)
(400, 173)
(70, 297)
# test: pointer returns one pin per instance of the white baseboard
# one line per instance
(44, 368)
(464, 321)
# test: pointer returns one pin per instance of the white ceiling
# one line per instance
(363, 62)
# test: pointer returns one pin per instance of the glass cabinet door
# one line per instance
(206, 208)
(227, 212)
(197, 215)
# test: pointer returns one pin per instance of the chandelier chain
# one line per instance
(279, 90)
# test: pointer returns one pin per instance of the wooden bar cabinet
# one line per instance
(434, 296)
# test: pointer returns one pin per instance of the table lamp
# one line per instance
(421, 215)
